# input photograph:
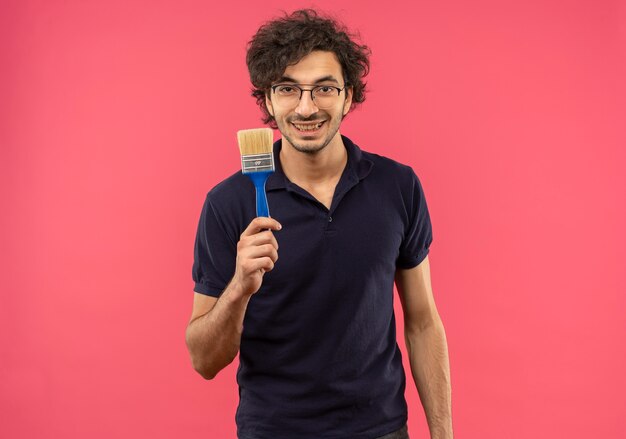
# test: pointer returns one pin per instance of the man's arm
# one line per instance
(427, 347)
(213, 334)
(213, 337)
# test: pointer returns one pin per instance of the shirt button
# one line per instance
(330, 219)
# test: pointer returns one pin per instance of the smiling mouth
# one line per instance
(308, 127)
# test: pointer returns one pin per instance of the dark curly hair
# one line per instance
(284, 41)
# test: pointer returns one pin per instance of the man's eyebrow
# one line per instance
(328, 78)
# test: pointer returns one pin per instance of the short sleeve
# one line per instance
(418, 233)
(214, 253)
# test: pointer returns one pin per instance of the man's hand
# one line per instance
(257, 252)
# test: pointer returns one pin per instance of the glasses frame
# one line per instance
(310, 90)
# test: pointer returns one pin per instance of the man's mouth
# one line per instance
(308, 126)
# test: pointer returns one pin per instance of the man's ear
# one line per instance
(268, 104)
(348, 102)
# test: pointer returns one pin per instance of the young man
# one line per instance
(315, 329)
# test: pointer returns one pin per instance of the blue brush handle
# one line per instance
(259, 179)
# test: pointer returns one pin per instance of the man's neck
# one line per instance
(306, 170)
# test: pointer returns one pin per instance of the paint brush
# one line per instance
(257, 162)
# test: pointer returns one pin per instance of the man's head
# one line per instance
(324, 65)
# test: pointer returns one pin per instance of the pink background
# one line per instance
(117, 117)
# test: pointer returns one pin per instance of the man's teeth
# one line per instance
(308, 127)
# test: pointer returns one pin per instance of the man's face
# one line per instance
(298, 122)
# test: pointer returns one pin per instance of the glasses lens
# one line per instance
(287, 95)
(325, 96)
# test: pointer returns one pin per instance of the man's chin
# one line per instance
(308, 149)
(312, 147)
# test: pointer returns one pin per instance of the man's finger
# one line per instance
(266, 250)
(261, 223)
(266, 237)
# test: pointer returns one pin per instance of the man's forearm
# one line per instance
(213, 339)
(430, 366)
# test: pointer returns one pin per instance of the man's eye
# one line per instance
(325, 91)
(286, 89)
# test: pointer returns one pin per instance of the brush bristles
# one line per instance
(255, 141)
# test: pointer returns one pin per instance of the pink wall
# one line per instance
(117, 117)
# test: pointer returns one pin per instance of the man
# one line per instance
(315, 329)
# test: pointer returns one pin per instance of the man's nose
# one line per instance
(306, 105)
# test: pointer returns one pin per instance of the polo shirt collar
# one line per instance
(357, 167)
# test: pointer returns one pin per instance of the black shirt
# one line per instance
(318, 354)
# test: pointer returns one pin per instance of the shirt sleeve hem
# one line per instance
(206, 290)
(413, 261)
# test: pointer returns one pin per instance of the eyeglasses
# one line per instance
(324, 96)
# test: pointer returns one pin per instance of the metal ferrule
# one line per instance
(257, 163)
